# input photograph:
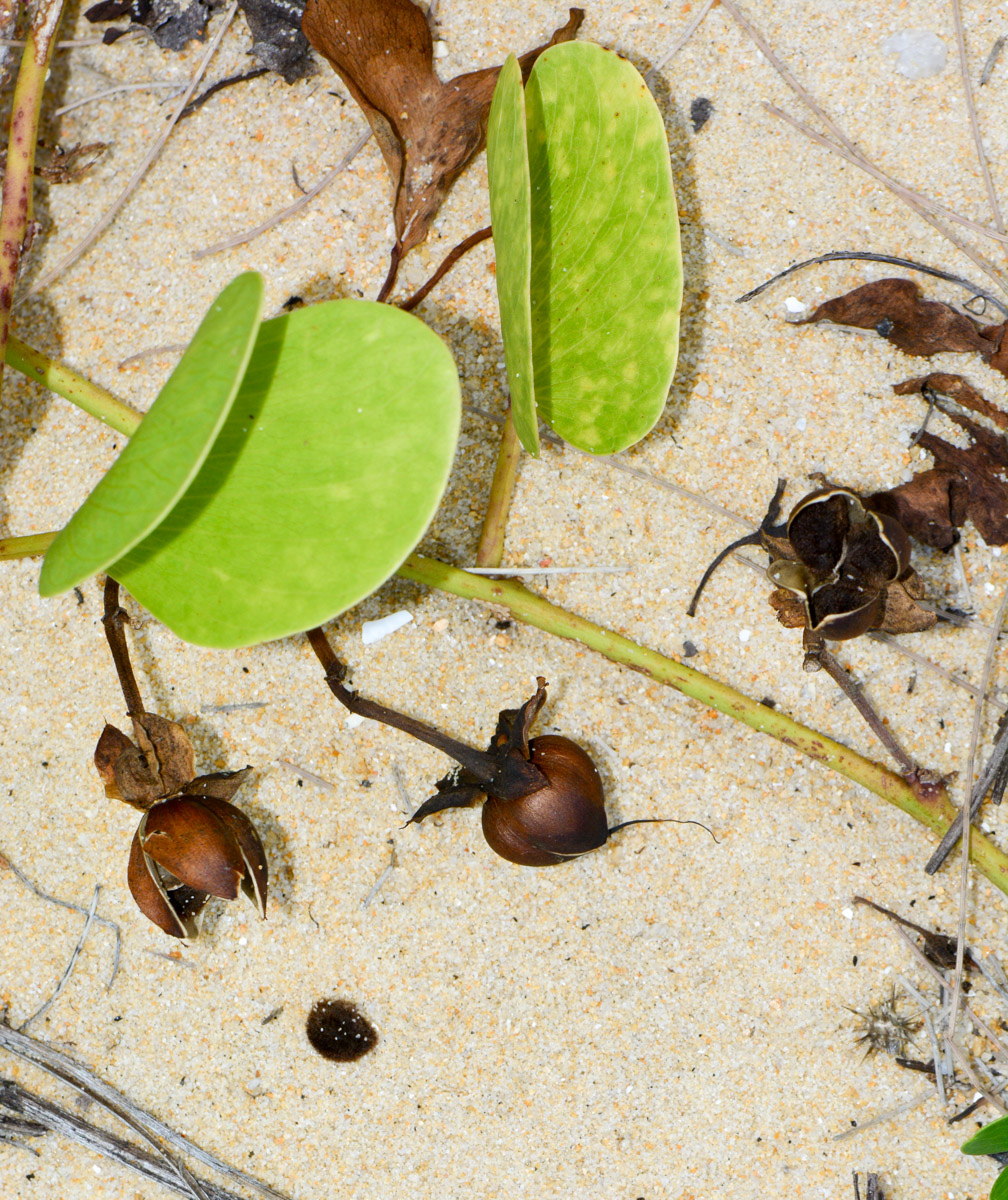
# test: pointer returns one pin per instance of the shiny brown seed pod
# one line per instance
(560, 821)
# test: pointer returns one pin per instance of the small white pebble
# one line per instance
(794, 305)
(440, 50)
(996, 551)
(353, 720)
(801, 424)
(243, 941)
(744, 635)
(948, 747)
(847, 914)
(374, 631)
(920, 53)
(989, 589)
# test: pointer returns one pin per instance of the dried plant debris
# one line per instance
(897, 311)
(842, 569)
(172, 25)
(883, 1028)
(277, 40)
(938, 948)
(428, 131)
(964, 482)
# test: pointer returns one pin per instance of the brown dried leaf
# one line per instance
(902, 612)
(959, 389)
(931, 507)
(160, 764)
(789, 608)
(427, 130)
(220, 785)
(895, 309)
(110, 746)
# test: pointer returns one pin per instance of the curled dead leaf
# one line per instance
(897, 311)
(428, 131)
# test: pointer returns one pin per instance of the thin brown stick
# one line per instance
(239, 239)
(450, 260)
(992, 199)
(219, 86)
(107, 217)
(806, 97)
(483, 766)
(691, 27)
(967, 825)
(395, 257)
(894, 185)
(114, 620)
(853, 692)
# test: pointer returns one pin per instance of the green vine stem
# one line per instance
(26, 546)
(16, 211)
(926, 803)
(66, 382)
(491, 543)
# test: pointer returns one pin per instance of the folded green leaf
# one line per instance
(605, 287)
(173, 440)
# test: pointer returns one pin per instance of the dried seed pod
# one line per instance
(850, 570)
(562, 820)
(194, 846)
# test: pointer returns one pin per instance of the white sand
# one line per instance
(664, 1018)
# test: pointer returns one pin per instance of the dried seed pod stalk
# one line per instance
(192, 842)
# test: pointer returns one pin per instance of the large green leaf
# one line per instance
(510, 216)
(606, 277)
(323, 478)
(162, 458)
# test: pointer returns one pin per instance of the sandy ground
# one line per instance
(667, 1017)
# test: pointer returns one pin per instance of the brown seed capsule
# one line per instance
(562, 820)
(189, 847)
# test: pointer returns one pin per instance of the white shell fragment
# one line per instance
(921, 53)
(794, 305)
(374, 631)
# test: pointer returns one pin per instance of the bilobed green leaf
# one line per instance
(992, 1139)
(162, 458)
(322, 480)
(510, 216)
(606, 277)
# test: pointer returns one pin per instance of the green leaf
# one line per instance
(324, 477)
(606, 274)
(162, 458)
(992, 1139)
(510, 216)
(1000, 1189)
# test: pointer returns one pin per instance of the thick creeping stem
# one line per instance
(767, 525)
(114, 620)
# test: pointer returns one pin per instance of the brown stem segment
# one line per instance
(491, 543)
(513, 783)
(114, 620)
(856, 696)
(450, 260)
(390, 278)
